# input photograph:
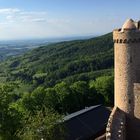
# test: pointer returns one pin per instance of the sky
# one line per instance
(24, 19)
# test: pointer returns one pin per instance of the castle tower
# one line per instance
(127, 67)
(124, 121)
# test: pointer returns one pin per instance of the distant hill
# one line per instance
(68, 61)
(10, 48)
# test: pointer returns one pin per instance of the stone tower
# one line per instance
(127, 65)
(124, 121)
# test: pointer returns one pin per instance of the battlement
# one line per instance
(129, 33)
(127, 41)
(124, 36)
(116, 125)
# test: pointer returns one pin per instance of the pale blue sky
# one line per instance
(20, 19)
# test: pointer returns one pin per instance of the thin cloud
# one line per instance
(32, 13)
(38, 20)
(58, 21)
(16, 23)
(18, 15)
(9, 10)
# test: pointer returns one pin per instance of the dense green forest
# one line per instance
(41, 86)
(65, 61)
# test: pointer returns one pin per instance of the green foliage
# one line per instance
(41, 85)
(43, 125)
(26, 117)
(51, 99)
(105, 86)
(51, 64)
(10, 118)
(81, 90)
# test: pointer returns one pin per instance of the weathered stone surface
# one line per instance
(116, 125)
(127, 82)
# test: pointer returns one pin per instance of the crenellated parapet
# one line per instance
(127, 41)
(116, 125)
(126, 36)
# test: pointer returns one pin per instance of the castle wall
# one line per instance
(116, 125)
(136, 62)
(123, 71)
(133, 124)
(137, 100)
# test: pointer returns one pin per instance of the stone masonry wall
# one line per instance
(123, 73)
(127, 68)
(137, 100)
(116, 125)
(127, 86)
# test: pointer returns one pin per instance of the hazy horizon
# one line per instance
(51, 39)
(30, 19)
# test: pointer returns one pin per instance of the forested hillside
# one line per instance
(70, 61)
(56, 79)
